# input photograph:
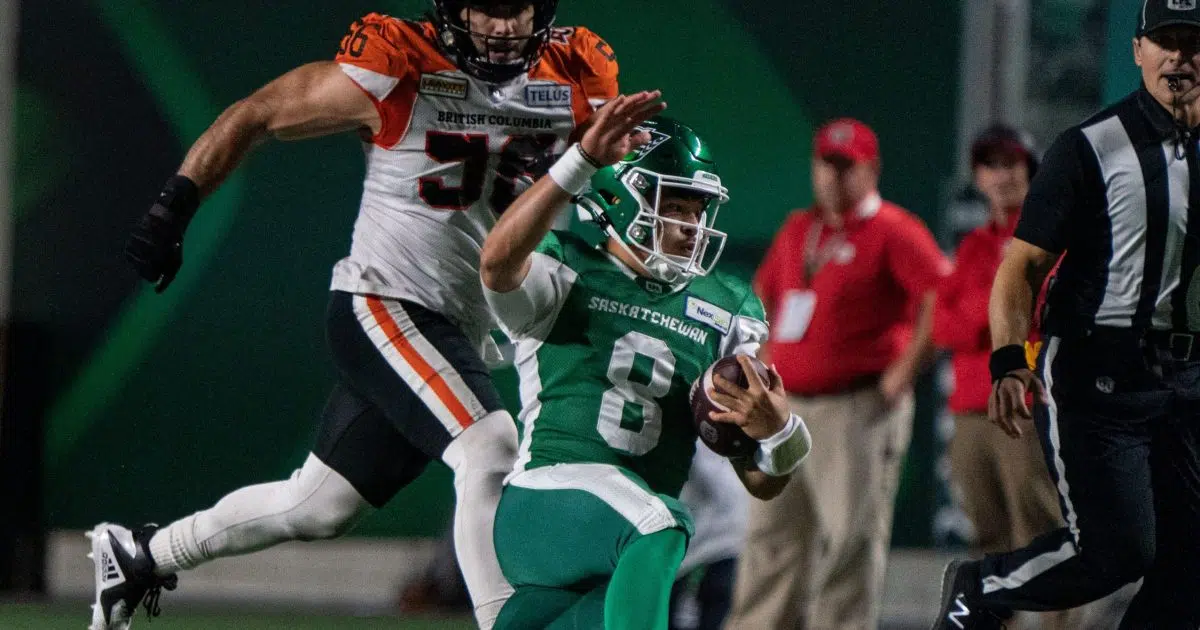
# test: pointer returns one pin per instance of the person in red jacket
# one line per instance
(1006, 490)
(849, 286)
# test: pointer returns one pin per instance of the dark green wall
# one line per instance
(155, 405)
(1121, 75)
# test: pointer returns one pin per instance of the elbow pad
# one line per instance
(780, 454)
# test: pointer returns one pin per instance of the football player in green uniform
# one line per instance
(609, 341)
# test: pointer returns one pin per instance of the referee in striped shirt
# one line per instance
(1117, 387)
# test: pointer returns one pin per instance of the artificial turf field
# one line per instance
(75, 616)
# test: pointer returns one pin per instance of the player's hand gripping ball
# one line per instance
(722, 437)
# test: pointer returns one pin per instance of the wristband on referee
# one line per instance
(1005, 359)
(781, 453)
(573, 171)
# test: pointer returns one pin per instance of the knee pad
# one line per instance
(323, 503)
(489, 445)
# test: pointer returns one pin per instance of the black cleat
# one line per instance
(960, 587)
(124, 575)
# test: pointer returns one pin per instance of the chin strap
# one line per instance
(611, 231)
(658, 272)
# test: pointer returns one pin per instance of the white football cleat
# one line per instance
(124, 575)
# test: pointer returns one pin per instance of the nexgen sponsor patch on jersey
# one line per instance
(707, 313)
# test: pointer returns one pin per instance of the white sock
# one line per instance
(480, 458)
(315, 502)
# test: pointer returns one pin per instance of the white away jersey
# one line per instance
(451, 154)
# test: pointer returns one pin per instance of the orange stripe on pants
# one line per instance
(418, 363)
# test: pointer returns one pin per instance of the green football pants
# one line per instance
(588, 546)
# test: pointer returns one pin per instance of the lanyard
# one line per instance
(815, 255)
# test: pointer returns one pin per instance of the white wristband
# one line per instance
(781, 453)
(572, 172)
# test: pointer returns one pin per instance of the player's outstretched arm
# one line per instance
(504, 262)
(313, 100)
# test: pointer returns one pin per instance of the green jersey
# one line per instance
(606, 358)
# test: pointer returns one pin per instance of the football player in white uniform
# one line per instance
(457, 114)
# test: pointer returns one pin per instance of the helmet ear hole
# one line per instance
(609, 197)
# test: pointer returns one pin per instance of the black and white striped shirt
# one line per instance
(1120, 193)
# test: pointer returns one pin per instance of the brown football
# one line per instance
(722, 438)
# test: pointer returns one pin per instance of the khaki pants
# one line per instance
(1006, 492)
(815, 555)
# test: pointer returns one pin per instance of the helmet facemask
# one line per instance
(645, 233)
(456, 35)
(627, 202)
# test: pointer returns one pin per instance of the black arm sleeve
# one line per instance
(1058, 192)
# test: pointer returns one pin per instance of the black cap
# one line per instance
(1003, 140)
(1159, 13)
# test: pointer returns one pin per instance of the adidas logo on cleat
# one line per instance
(111, 571)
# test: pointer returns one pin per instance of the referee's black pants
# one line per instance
(1121, 437)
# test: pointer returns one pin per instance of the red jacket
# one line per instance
(849, 318)
(960, 322)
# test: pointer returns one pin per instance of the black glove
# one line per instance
(155, 248)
